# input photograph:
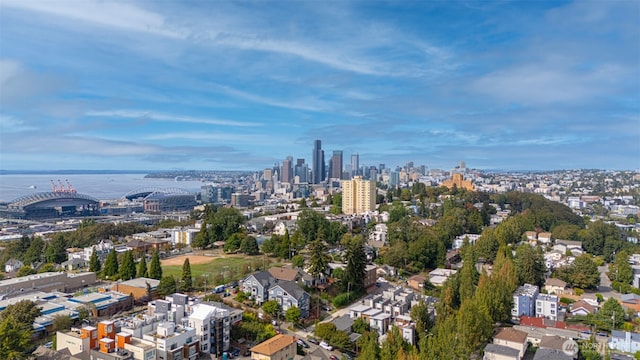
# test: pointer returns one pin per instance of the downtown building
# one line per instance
(358, 195)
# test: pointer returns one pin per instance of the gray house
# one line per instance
(257, 285)
(289, 294)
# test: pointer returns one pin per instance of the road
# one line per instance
(605, 284)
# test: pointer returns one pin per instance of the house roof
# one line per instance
(273, 345)
(291, 288)
(502, 350)
(284, 274)
(263, 277)
(419, 278)
(511, 334)
(343, 323)
(635, 337)
(551, 354)
(555, 282)
(630, 298)
(583, 305)
(552, 342)
(14, 262)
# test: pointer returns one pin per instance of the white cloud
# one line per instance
(112, 14)
(155, 116)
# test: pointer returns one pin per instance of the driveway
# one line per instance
(605, 284)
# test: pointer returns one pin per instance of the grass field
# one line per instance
(232, 268)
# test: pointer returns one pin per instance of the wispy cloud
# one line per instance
(155, 116)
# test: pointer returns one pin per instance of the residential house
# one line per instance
(624, 341)
(284, 274)
(288, 294)
(500, 352)
(582, 308)
(558, 344)
(279, 347)
(544, 237)
(370, 275)
(257, 285)
(531, 235)
(74, 264)
(551, 354)
(439, 276)
(512, 338)
(556, 286)
(459, 240)
(416, 282)
(343, 323)
(13, 265)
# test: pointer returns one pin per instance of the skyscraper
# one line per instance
(287, 170)
(358, 196)
(301, 171)
(355, 164)
(318, 162)
(335, 171)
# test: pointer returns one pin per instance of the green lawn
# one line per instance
(232, 268)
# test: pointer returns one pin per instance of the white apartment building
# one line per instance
(547, 306)
(212, 323)
(358, 195)
(183, 236)
(174, 342)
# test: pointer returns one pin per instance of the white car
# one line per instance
(325, 346)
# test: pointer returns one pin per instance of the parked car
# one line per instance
(313, 341)
(325, 346)
(49, 345)
(303, 343)
(333, 357)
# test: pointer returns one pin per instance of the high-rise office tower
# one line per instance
(358, 196)
(301, 171)
(355, 164)
(335, 171)
(318, 162)
(287, 170)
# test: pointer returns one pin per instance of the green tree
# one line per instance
(298, 261)
(142, 267)
(94, 263)
(110, 270)
(249, 246)
(48, 267)
(530, 265)
(25, 270)
(271, 307)
(318, 259)
(186, 282)
(167, 286)
(292, 314)
(61, 322)
(369, 348)
(393, 344)
(360, 326)
(621, 270)
(15, 339)
(22, 312)
(421, 315)
(611, 314)
(585, 274)
(324, 330)
(56, 250)
(474, 325)
(341, 340)
(127, 269)
(34, 252)
(468, 276)
(356, 262)
(487, 245)
(155, 270)
(234, 242)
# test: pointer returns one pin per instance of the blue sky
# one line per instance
(240, 85)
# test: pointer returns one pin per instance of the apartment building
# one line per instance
(547, 306)
(358, 195)
(524, 301)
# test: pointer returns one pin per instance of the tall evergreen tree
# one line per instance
(530, 265)
(94, 263)
(127, 269)
(155, 271)
(356, 262)
(319, 259)
(167, 286)
(186, 282)
(142, 267)
(393, 345)
(110, 270)
(468, 275)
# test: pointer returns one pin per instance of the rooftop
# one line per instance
(511, 334)
(526, 290)
(141, 283)
(273, 345)
(501, 350)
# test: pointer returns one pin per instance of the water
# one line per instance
(99, 186)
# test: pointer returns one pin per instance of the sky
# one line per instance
(222, 85)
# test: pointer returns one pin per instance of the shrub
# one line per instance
(344, 299)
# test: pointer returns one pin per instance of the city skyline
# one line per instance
(237, 85)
